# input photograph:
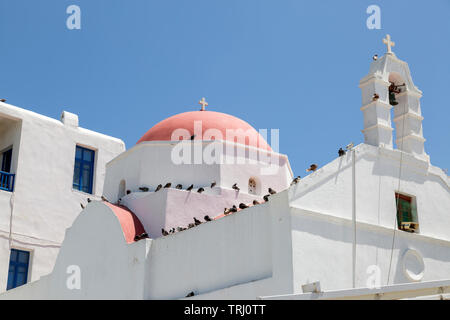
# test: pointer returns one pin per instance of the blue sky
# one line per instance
(288, 65)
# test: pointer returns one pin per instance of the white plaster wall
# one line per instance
(322, 251)
(172, 208)
(240, 256)
(322, 211)
(247, 254)
(44, 204)
(329, 190)
(150, 164)
(110, 268)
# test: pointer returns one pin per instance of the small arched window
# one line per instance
(122, 188)
(252, 186)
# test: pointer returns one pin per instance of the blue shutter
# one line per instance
(83, 175)
(18, 268)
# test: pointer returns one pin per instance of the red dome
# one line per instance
(212, 123)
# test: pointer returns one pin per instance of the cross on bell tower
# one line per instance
(389, 44)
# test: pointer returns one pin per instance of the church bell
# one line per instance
(392, 100)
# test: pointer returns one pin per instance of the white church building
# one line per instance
(203, 208)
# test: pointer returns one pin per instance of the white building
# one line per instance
(38, 192)
(375, 218)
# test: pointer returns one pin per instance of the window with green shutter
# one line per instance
(406, 213)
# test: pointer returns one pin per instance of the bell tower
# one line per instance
(389, 84)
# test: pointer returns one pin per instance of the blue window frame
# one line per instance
(18, 268)
(83, 174)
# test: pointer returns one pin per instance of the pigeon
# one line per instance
(164, 232)
(243, 206)
(179, 229)
(89, 200)
(158, 187)
(207, 218)
(233, 209)
(144, 189)
(255, 202)
(168, 185)
(349, 146)
(141, 236)
(235, 187)
(128, 191)
(191, 225)
(266, 197)
(313, 167)
(2, 100)
(104, 199)
(200, 190)
(179, 186)
(82, 206)
(190, 187)
(375, 97)
(197, 222)
(213, 184)
(341, 152)
(375, 57)
(190, 294)
(226, 211)
(296, 180)
(172, 230)
(271, 191)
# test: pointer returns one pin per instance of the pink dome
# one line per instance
(130, 223)
(210, 122)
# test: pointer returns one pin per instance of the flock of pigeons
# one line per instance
(178, 186)
(226, 211)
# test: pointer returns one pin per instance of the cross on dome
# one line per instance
(389, 43)
(203, 103)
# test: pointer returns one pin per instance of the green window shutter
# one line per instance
(414, 212)
(406, 211)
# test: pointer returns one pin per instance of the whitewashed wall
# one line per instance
(248, 250)
(151, 163)
(329, 190)
(322, 251)
(322, 213)
(110, 268)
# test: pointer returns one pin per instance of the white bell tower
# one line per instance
(376, 105)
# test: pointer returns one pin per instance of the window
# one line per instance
(18, 268)
(406, 213)
(122, 188)
(6, 161)
(6, 178)
(83, 174)
(252, 186)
